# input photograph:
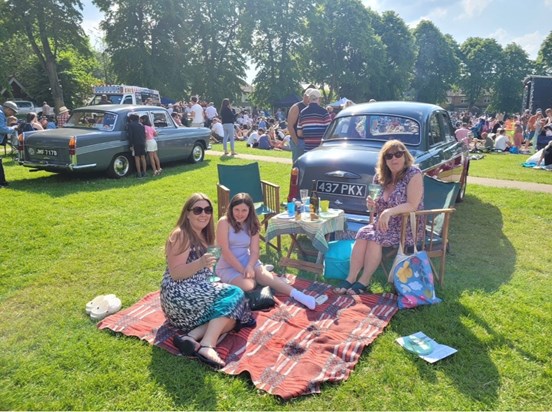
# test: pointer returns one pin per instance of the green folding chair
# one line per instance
(235, 179)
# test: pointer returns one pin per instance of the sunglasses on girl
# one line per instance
(197, 210)
(398, 155)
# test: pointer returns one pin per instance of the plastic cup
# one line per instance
(324, 205)
(291, 209)
(304, 194)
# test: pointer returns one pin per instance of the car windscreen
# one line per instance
(379, 128)
(24, 105)
(92, 120)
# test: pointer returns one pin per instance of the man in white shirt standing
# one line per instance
(210, 113)
(198, 120)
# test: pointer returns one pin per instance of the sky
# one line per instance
(526, 23)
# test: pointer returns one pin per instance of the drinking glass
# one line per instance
(324, 205)
(216, 251)
(374, 191)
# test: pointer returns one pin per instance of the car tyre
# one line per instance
(120, 166)
(198, 153)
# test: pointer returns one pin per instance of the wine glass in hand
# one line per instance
(374, 192)
(216, 251)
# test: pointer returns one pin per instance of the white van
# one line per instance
(123, 94)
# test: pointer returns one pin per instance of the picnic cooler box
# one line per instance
(337, 259)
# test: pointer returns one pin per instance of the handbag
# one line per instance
(412, 275)
(260, 298)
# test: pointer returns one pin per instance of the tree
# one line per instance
(218, 62)
(480, 61)
(273, 33)
(347, 65)
(436, 66)
(177, 47)
(400, 54)
(50, 27)
(544, 57)
(508, 87)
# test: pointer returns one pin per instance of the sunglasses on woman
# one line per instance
(197, 210)
(398, 155)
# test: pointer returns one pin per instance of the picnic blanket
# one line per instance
(292, 350)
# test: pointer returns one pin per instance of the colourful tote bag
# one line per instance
(413, 276)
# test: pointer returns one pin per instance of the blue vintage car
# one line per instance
(95, 139)
(344, 164)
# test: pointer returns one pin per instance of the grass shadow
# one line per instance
(481, 260)
(63, 184)
(187, 382)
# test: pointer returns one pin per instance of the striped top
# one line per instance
(313, 121)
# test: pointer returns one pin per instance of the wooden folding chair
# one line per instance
(439, 196)
(235, 179)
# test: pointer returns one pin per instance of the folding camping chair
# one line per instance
(439, 196)
(235, 179)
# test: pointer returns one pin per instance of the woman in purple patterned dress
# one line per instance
(402, 192)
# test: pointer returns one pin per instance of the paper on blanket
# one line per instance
(439, 351)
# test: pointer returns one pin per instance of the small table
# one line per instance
(317, 231)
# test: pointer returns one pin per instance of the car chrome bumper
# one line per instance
(43, 165)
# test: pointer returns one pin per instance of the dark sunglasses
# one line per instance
(197, 210)
(398, 155)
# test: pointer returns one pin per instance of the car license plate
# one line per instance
(46, 152)
(341, 189)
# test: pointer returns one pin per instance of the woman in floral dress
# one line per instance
(203, 310)
(402, 192)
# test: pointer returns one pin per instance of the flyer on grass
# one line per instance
(425, 347)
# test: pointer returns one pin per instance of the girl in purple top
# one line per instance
(402, 192)
(239, 265)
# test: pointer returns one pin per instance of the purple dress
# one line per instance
(392, 236)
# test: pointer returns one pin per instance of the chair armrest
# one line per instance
(223, 196)
(271, 196)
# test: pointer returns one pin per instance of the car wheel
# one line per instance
(120, 166)
(198, 153)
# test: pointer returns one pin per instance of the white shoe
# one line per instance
(103, 306)
(269, 267)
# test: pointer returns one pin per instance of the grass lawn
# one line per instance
(508, 167)
(68, 239)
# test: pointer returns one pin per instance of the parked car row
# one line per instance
(95, 139)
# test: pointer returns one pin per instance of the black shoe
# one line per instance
(4, 184)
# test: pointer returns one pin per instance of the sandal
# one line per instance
(357, 288)
(187, 345)
(210, 360)
(342, 287)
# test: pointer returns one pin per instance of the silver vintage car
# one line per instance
(95, 139)
(344, 164)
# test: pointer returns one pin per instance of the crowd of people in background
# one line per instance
(515, 133)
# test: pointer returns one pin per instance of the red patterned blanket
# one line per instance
(291, 351)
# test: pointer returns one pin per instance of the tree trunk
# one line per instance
(55, 85)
